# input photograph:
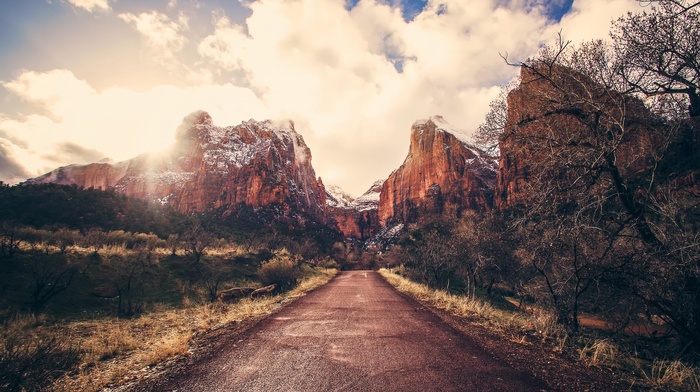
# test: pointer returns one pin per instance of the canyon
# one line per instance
(267, 164)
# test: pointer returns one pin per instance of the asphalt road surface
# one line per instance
(354, 334)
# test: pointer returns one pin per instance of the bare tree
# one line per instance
(680, 6)
(490, 131)
(196, 240)
(214, 273)
(126, 274)
(594, 158)
(50, 277)
(659, 50)
(432, 252)
(9, 238)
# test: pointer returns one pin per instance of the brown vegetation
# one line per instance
(527, 328)
(88, 355)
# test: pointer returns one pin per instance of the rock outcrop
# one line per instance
(210, 167)
(569, 113)
(441, 169)
(355, 218)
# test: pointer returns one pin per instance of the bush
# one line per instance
(282, 270)
(328, 263)
(28, 362)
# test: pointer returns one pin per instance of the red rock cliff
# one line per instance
(355, 218)
(441, 168)
(210, 167)
(556, 112)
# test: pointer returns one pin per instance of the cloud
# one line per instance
(11, 171)
(163, 35)
(71, 152)
(590, 19)
(77, 123)
(91, 5)
(353, 80)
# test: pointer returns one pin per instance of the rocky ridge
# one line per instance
(267, 163)
(442, 170)
(210, 167)
(355, 218)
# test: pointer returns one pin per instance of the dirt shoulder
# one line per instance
(526, 352)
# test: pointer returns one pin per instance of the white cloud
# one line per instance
(329, 69)
(117, 122)
(590, 19)
(91, 5)
(163, 35)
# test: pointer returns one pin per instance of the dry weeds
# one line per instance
(478, 310)
(111, 349)
(599, 353)
(673, 375)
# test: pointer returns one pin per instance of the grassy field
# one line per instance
(77, 341)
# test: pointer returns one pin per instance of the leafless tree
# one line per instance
(50, 277)
(680, 6)
(196, 240)
(490, 131)
(214, 273)
(598, 191)
(126, 274)
(9, 238)
(659, 51)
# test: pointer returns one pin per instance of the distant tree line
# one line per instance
(52, 205)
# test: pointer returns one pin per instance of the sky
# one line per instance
(85, 80)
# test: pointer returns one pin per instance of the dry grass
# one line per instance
(673, 375)
(661, 375)
(110, 350)
(478, 310)
(598, 353)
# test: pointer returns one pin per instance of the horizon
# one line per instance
(85, 80)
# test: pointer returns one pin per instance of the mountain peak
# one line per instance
(441, 167)
(213, 167)
(438, 123)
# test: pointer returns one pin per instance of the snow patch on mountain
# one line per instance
(337, 198)
(444, 126)
(228, 147)
(370, 199)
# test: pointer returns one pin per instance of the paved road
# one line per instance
(354, 334)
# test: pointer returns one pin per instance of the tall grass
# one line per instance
(673, 375)
(477, 309)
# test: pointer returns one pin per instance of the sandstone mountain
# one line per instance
(591, 127)
(255, 163)
(260, 164)
(442, 169)
(355, 218)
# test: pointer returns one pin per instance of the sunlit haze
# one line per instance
(84, 80)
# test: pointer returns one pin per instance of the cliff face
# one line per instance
(441, 169)
(355, 218)
(210, 167)
(543, 118)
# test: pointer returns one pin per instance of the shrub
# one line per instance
(328, 263)
(28, 362)
(282, 270)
